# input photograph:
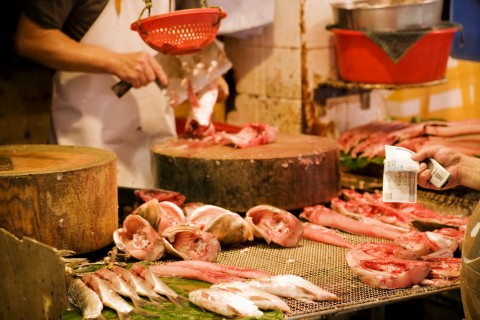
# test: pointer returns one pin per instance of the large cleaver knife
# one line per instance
(200, 68)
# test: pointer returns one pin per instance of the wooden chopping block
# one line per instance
(63, 196)
(294, 172)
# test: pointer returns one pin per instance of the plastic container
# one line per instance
(361, 60)
(180, 32)
(467, 13)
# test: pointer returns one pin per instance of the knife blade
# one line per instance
(200, 68)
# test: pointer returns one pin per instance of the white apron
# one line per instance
(86, 112)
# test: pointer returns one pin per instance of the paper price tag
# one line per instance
(399, 175)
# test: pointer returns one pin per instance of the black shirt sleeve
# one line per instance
(74, 17)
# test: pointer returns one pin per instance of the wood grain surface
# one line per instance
(293, 172)
(63, 196)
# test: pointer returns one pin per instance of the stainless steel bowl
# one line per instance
(387, 15)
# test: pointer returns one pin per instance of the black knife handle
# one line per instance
(121, 87)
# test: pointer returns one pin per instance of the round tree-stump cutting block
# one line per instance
(293, 172)
(63, 196)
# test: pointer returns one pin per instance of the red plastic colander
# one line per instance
(180, 32)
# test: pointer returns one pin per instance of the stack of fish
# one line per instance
(110, 287)
(235, 291)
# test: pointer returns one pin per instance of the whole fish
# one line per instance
(138, 284)
(191, 243)
(85, 299)
(224, 302)
(120, 286)
(263, 300)
(292, 286)
(112, 299)
(156, 283)
(275, 225)
(139, 239)
(228, 227)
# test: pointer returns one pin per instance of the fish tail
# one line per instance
(157, 299)
(145, 313)
(140, 303)
(178, 300)
(124, 316)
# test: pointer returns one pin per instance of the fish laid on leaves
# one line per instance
(112, 299)
(120, 286)
(85, 299)
(191, 243)
(227, 226)
(139, 239)
(275, 225)
(263, 300)
(292, 286)
(224, 302)
(138, 284)
(156, 283)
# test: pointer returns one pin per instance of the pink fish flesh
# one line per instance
(170, 215)
(425, 243)
(275, 225)
(191, 243)
(241, 272)
(321, 215)
(199, 124)
(144, 195)
(363, 205)
(376, 250)
(189, 273)
(391, 273)
(139, 239)
(253, 134)
(325, 235)
(444, 268)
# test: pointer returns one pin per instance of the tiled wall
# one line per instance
(278, 72)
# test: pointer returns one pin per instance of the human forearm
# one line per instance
(56, 50)
(469, 174)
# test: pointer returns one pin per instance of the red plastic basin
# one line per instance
(359, 59)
